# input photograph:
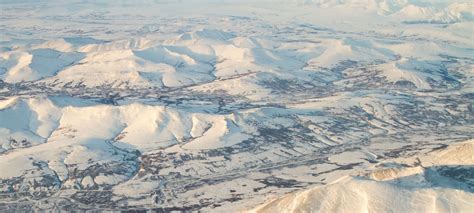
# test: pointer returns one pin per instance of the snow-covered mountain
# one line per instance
(440, 182)
(410, 11)
(221, 106)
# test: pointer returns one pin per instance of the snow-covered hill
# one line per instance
(221, 105)
(441, 181)
(411, 11)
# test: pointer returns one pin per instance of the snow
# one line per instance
(221, 105)
(144, 127)
(357, 195)
(399, 189)
(36, 64)
(409, 70)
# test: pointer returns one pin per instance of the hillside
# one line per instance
(439, 181)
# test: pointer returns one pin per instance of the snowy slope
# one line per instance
(441, 184)
(406, 10)
(220, 105)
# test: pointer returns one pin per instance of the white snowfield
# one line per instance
(222, 105)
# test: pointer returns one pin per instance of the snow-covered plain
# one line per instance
(222, 105)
